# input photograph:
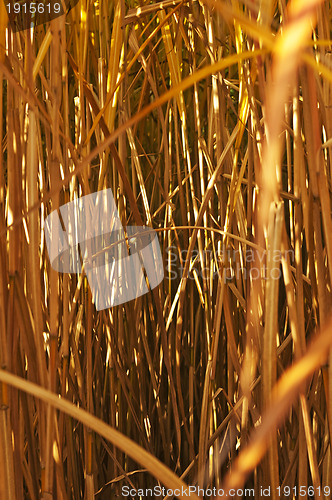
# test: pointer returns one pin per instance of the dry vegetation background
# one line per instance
(212, 123)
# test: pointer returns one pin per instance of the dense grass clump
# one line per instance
(211, 122)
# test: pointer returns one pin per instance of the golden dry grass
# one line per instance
(211, 122)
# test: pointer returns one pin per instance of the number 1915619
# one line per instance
(34, 8)
(303, 491)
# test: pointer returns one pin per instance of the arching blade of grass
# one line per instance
(154, 466)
